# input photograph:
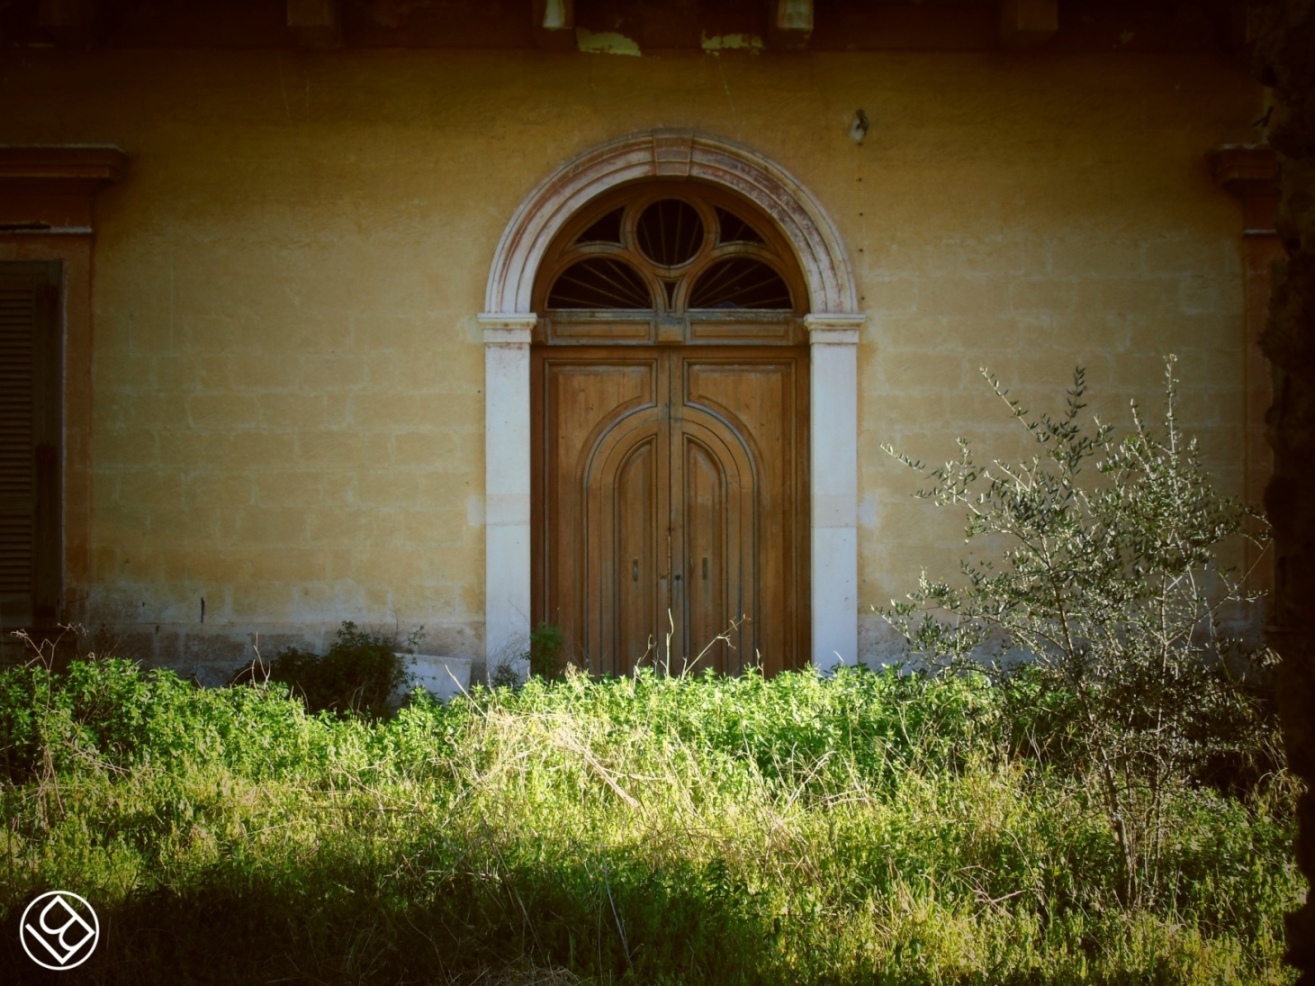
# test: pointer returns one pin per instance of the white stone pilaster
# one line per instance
(833, 343)
(506, 485)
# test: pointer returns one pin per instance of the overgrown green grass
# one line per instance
(869, 828)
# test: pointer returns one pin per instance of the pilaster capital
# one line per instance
(507, 328)
(834, 328)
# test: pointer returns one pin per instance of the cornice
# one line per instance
(51, 189)
(1249, 173)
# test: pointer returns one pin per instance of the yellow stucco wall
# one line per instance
(288, 411)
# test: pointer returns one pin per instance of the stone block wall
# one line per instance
(286, 406)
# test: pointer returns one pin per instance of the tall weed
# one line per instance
(862, 828)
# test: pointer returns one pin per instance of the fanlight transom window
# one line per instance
(668, 251)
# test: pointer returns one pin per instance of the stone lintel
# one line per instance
(553, 24)
(315, 23)
(790, 24)
(1028, 24)
(71, 22)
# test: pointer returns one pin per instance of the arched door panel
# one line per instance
(761, 397)
(624, 485)
(714, 490)
(567, 396)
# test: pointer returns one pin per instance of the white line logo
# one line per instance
(59, 927)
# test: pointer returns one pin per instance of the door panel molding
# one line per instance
(672, 500)
(722, 568)
(611, 546)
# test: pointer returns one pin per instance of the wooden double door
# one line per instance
(671, 505)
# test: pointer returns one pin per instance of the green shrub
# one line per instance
(545, 654)
(358, 675)
(1114, 592)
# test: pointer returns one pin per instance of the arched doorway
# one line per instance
(832, 323)
(669, 420)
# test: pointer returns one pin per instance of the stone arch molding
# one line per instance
(670, 154)
(833, 325)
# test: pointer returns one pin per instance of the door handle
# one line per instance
(634, 570)
(705, 566)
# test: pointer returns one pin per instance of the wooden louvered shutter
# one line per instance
(29, 444)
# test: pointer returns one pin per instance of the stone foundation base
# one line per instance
(211, 655)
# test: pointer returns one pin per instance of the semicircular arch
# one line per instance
(670, 154)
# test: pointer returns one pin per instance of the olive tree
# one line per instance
(1104, 586)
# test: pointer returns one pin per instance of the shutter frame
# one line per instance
(31, 542)
(48, 554)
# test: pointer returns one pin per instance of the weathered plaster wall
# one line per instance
(287, 411)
